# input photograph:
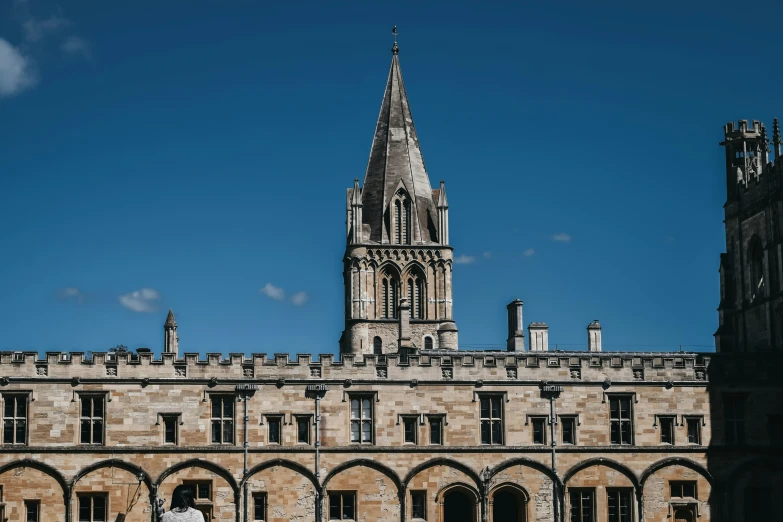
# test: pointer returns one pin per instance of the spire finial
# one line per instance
(776, 138)
(395, 48)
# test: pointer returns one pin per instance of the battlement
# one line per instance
(428, 365)
(742, 131)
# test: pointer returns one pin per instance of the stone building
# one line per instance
(403, 426)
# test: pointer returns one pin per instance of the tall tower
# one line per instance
(397, 242)
(170, 338)
(751, 274)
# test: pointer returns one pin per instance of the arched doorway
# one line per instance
(683, 515)
(458, 506)
(508, 504)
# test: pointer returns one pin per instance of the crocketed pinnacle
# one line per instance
(170, 321)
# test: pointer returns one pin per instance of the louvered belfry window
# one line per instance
(402, 219)
(388, 297)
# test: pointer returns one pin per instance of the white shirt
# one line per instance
(191, 515)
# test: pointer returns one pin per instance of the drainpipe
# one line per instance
(245, 391)
(553, 392)
(317, 392)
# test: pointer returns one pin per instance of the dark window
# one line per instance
(775, 426)
(223, 419)
(342, 506)
(694, 430)
(619, 504)
(428, 343)
(621, 424)
(418, 504)
(539, 430)
(409, 426)
(582, 505)
(491, 419)
(303, 430)
(32, 510)
(15, 419)
(92, 508)
(436, 430)
(734, 414)
(361, 420)
(377, 346)
(275, 435)
(170, 425)
(259, 507)
(667, 430)
(92, 419)
(683, 489)
(568, 429)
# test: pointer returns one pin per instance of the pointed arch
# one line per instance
(368, 463)
(199, 463)
(293, 466)
(401, 217)
(115, 463)
(601, 461)
(40, 466)
(676, 461)
(389, 290)
(524, 461)
(444, 461)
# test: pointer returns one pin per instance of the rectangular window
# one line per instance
(259, 507)
(436, 430)
(32, 510)
(619, 503)
(410, 430)
(620, 419)
(342, 506)
(667, 429)
(694, 430)
(15, 419)
(274, 425)
(683, 489)
(92, 419)
(223, 419)
(419, 505)
(734, 415)
(170, 429)
(775, 427)
(539, 430)
(582, 505)
(491, 410)
(303, 430)
(361, 419)
(92, 508)
(568, 430)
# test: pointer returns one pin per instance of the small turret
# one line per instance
(170, 338)
(355, 214)
(594, 336)
(745, 154)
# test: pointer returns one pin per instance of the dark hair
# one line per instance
(182, 498)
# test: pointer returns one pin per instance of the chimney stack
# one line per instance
(594, 336)
(539, 337)
(516, 332)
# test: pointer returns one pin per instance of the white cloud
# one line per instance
(273, 292)
(17, 72)
(300, 298)
(144, 300)
(35, 30)
(487, 255)
(529, 252)
(562, 237)
(465, 260)
(74, 46)
(71, 293)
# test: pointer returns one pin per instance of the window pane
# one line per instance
(21, 406)
(366, 408)
(98, 509)
(417, 504)
(97, 432)
(366, 432)
(303, 431)
(693, 431)
(484, 408)
(495, 407)
(613, 408)
(9, 407)
(334, 507)
(568, 431)
(215, 407)
(32, 511)
(667, 427)
(258, 507)
(485, 432)
(8, 431)
(202, 491)
(170, 431)
(84, 509)
(496, 432)
(20, 432)
(538, 431)
(354, 408)
(86, 409)
(615, 432)
(355, 431)
(228, 408)
(228, 432)
(274, 431)
(348, 502)
(85, 438)
(410, 430)
(215, 431)
(625, 426)
(689, 489)
(434, 432)
(97, 407)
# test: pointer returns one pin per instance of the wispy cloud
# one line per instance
(71, 293)
(529, 252)
(273, 292)
(37, 30)
(144, 300)
(300, 298)
(562, 237)
(464, 259)
(487, 255)
(75, 46)
(17, 71)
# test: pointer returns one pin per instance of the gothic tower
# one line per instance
(398, 261)
(751, 273)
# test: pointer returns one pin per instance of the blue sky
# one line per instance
(201, 151)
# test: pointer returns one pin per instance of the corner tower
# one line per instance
(751, 271)
(397, 241)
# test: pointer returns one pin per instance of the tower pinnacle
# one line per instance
(776, 138)
(170, 337)
(395, 48)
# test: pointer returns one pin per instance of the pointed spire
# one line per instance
(170, 321)
(776, 138)
(442, 201)
(356, 197)
(395, 48)
(396, 163)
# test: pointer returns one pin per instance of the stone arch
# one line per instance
(116, 463)
(374, 498)
(461, 487)
(40, 481)
(40, 466)
(601, 461)
(377, 466)
(199, 463)
(676, 461)
(444, 461)
(123, 492)
(290, 490)
(224, 498)
(522, 491)
(524, 461)
(293, 466)
(518, 491)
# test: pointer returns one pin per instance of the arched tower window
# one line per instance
(389, 295)
(377, 346)
(756, 257)
(415, 292)
(402, 218)
(428, 343)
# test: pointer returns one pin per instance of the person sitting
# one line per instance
(183, 506)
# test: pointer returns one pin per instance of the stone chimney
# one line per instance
(404, 340)
(594, 336)
(170, 338)
(539, 337)
(516, 332)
